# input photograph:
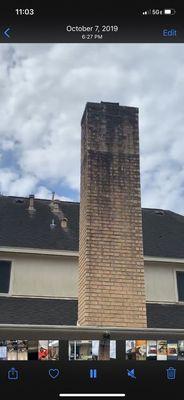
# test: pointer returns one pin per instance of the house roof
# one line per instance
(20, 228)
(163, 233)
(163, 230)
(170, 316)
(35, 311)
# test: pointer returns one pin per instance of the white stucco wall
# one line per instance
(40, 275)
(57, 276)
(160, 280)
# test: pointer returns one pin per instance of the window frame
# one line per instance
(9, 293)
(178, 270)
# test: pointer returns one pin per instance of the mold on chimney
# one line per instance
(111, 263)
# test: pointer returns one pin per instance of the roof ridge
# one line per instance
(78, 203)
(38, 198)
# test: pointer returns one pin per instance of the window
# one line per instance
(180, 285)
(5, 269)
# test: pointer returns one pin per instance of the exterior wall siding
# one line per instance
(160, 278)
(57, 277)
(43, 276)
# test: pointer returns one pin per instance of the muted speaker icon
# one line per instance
(131, 373)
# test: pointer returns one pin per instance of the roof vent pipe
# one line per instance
(64, 223)
(31, 203)
(52, 225)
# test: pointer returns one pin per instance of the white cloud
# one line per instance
(44, 193)
(15, 185)
(44, 89)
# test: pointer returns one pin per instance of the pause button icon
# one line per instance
(93, 373)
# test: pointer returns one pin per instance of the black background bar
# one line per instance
(79, 21)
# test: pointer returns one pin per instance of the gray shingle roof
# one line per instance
(170, 316)
(64, 312)
(163, 231)
(38, 311)
(19, 228)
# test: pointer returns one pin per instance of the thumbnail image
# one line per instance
(140, 349)
(80, 350)
(151, 350)
(161, 350)
(86, 350)
(172, 350)
(22, 350)
(130, 350)
(12, 350)
(53, 353)
(181, 350)
(106, 350)
(96, 349)
(32, 350)
(3, 350)
(112, 349)
(43, 350)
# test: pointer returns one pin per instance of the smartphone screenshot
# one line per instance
(91, 200)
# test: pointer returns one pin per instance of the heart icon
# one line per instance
(54, 373)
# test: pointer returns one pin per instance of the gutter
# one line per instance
(86, 332)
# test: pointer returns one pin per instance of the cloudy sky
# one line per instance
(43, 91)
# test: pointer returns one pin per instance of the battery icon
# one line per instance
(169, 11)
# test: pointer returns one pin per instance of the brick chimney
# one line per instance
(111, 265)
